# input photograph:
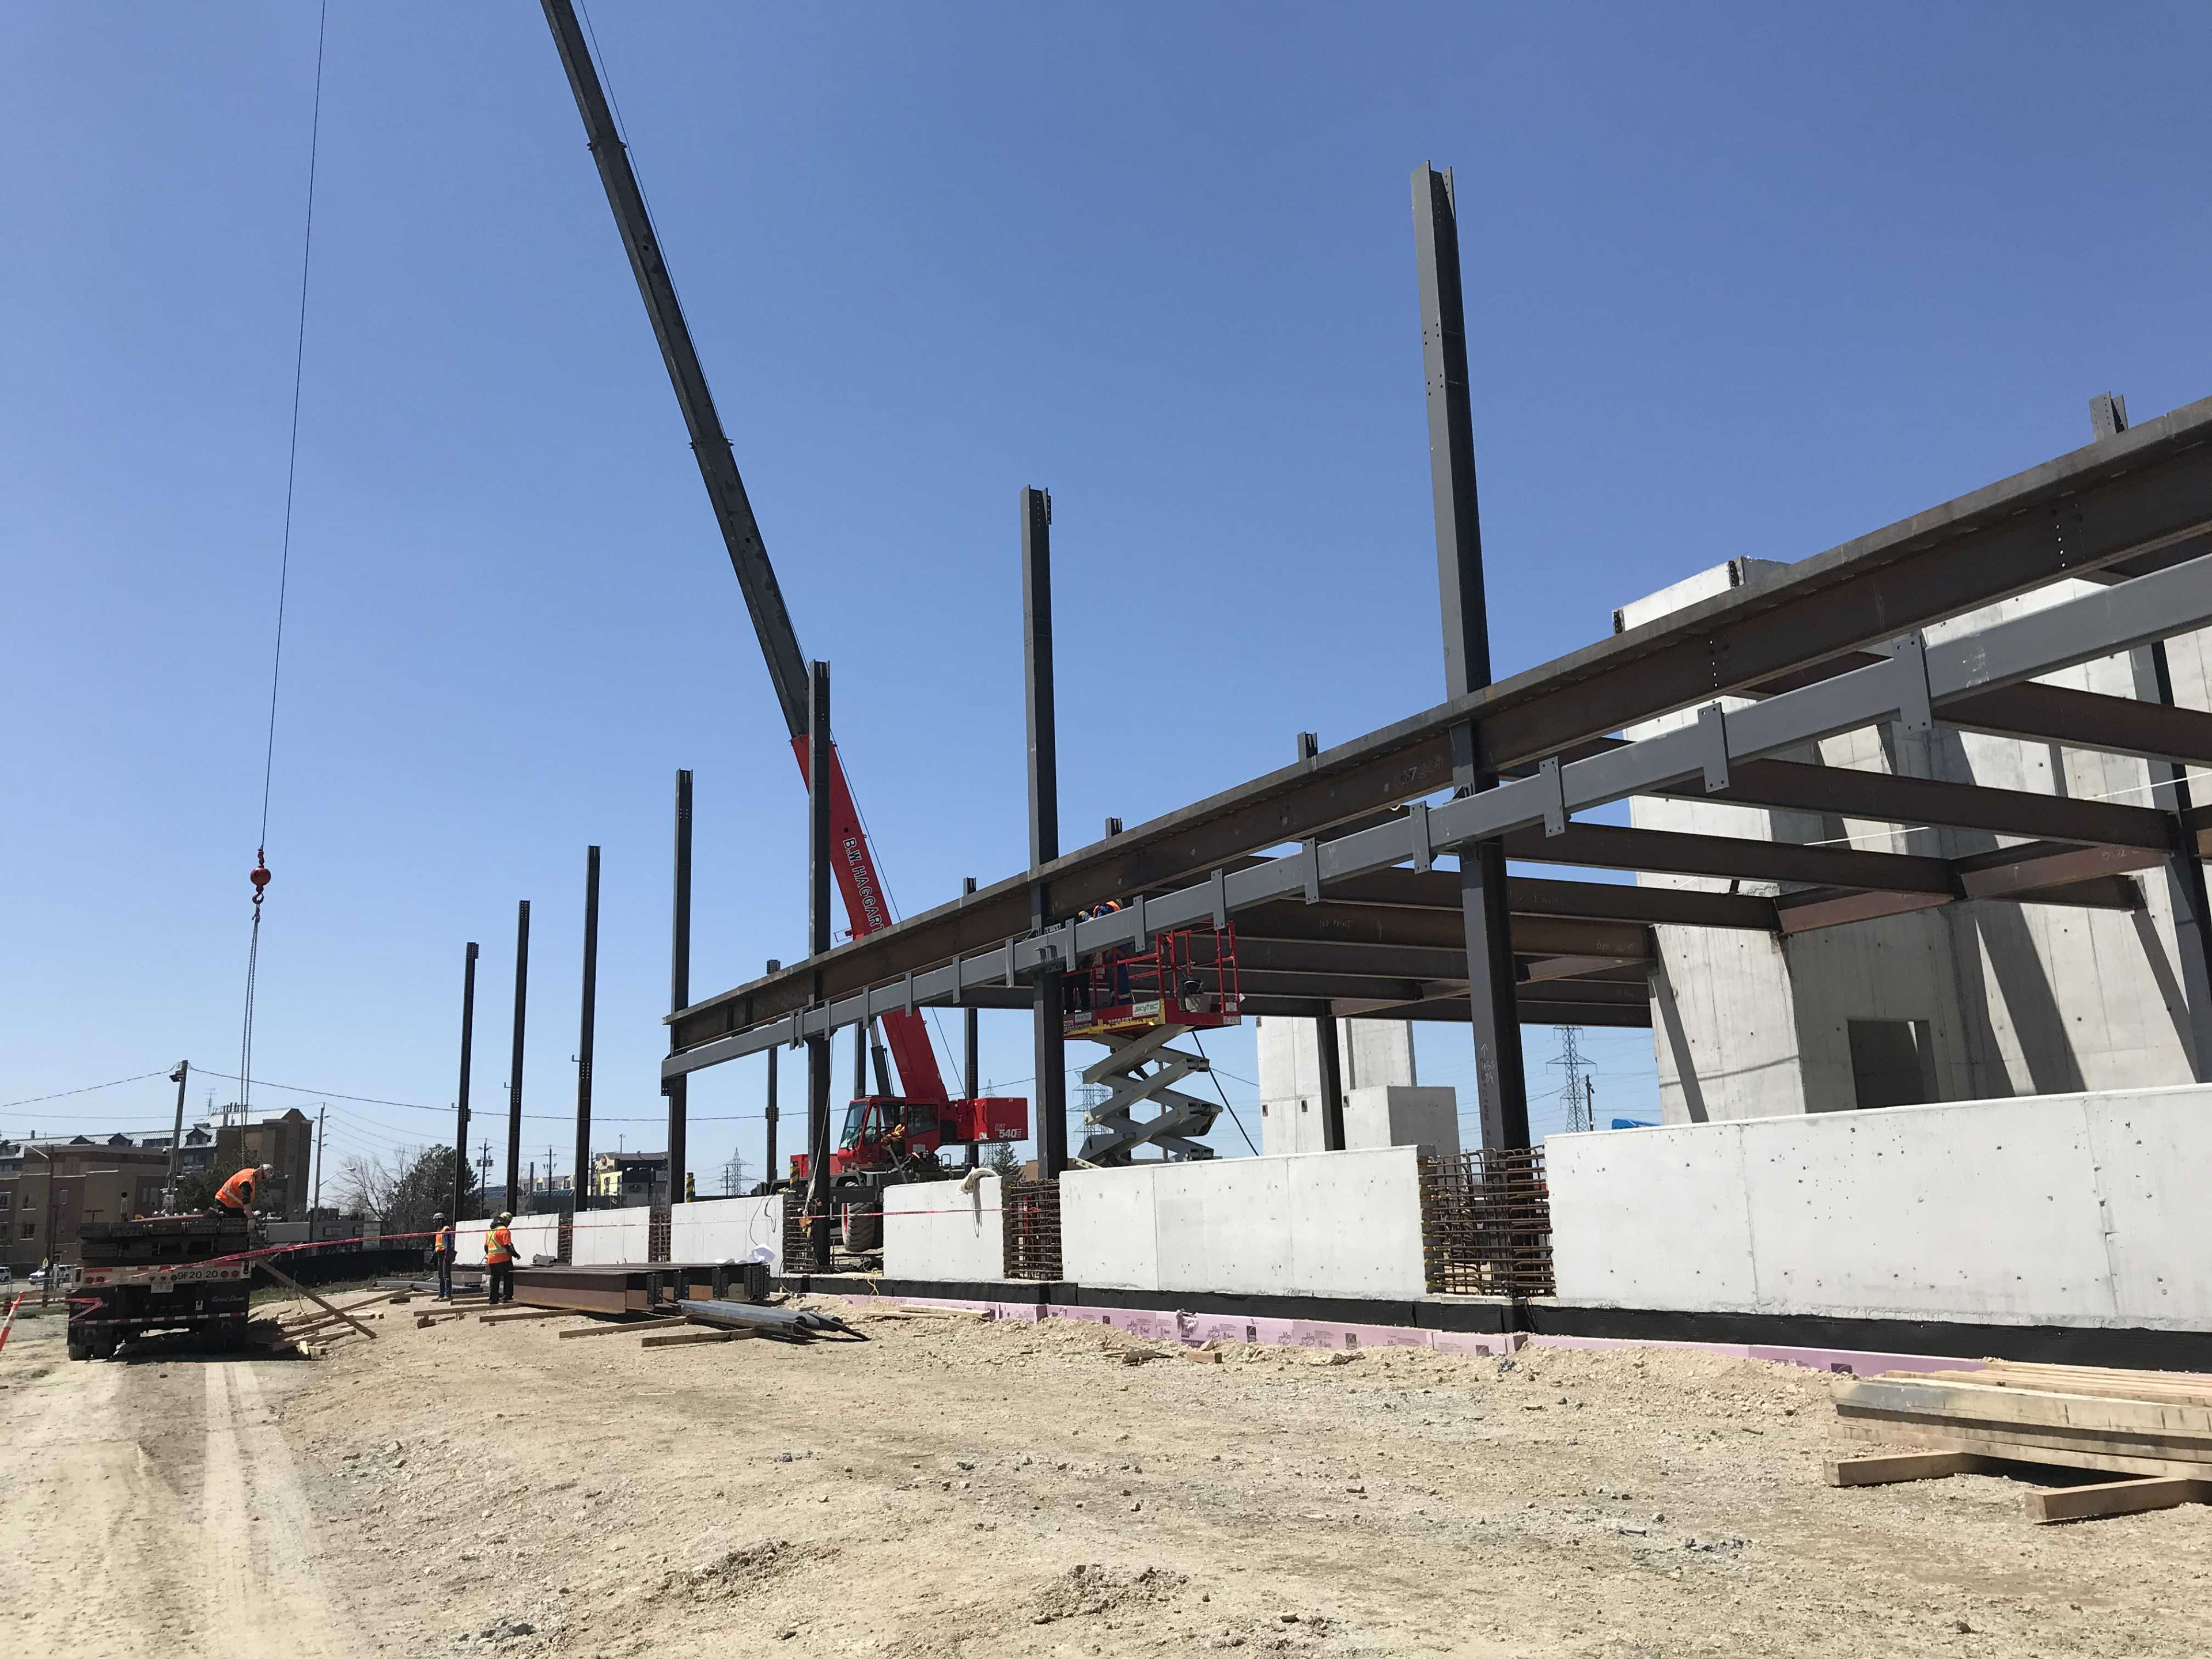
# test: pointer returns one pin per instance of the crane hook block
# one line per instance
(259, 876)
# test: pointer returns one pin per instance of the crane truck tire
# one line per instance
(861, 1225)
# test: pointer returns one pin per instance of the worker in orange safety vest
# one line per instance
(499, 1260)
(237, 1194)
(442, 1255)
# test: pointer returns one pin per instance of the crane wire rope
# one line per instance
(259, 875)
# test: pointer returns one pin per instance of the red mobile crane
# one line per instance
(886, 1138)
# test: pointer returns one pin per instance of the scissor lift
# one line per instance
(1137, 1003)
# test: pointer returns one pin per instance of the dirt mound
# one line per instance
(747, 1568)
(1090, 1590)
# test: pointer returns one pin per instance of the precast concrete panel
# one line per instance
(535, 1235)
(2154, 1164)
(1928, 1211)
(931, 1230)
(468, 1243)
(601, 1236)
(1108, 1230)
(728, 1229)
(1356, 1224)
(1224, 1223)
(1391, 1116)
(1652, 1217)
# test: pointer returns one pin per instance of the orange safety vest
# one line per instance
(499, 1248)
(441, 1242)
(237, 1193)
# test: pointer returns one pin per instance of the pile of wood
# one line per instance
(2152, 1427)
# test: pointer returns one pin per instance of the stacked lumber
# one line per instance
(2153, 1426)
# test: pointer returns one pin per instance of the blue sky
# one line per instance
(1741, 280)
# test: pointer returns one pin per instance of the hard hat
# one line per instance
(440, 1216)
(505, 1216)
(267, 1171)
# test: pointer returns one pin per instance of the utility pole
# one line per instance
(484, 1182)
(177, 1138)
(514, 1065)
(586, 1035)
(461, 1102)
(1051, 1043)
(677, 1088)
(773, 966)
(315, 1203)
(818, 946)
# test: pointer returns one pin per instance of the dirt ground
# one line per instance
(954, 1486)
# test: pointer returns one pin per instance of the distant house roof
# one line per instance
(81, 1140)
(197, 1135)
(118, 1140)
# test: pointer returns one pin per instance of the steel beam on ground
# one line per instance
(1501, 1089)
(1049, 1045)
(1906, 688)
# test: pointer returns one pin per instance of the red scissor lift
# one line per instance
(1137, 1002)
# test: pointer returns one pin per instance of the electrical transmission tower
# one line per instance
(1579, 1089)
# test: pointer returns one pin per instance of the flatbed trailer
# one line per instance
(171, 1273)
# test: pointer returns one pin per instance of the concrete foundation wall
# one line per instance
(1389, 1116)
(933, 1229)
(2079, 1209)
(1318, 1224)
(468, 1243)
(728, 1229)
(535, 1235)
(609, 1236)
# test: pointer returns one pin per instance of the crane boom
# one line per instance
(858, 883)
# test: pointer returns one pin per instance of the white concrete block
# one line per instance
(728, 1229)
(468, 1243)
(535, 1235)
(1611, 1189)
(931, 1230)
(1388, 1116)
(2153, 1158)
(1108, 1232)
(603, 1237)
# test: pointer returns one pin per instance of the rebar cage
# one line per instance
(1030, 1212)
(1487, 1223)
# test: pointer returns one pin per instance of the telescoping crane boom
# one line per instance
(854, 864)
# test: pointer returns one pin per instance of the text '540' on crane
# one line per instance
(923, 1111)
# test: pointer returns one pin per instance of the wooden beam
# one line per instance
(629, 1327)
(2049, 1504)
(686, 1338)
(298, 1289)
(521, 1313)
(1887, 1469)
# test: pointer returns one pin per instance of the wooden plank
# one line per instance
(2094, 1387)
(2024, 1446)
(298, 1289)
(1984, 1403)
(521, 1313)
(1887, 1469)
(2112, 1498)
(685, 1338)
(629, 1327)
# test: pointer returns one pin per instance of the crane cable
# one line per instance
(259, 875)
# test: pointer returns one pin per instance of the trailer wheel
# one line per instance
(78, 1347)
(862, 1226)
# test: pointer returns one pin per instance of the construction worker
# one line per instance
(237, 1194)
(441, 1254)
(499, 1260)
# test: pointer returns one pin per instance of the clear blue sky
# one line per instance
(1741, 280)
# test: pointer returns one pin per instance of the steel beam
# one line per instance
(818, 854)
(679, 984)
(587, 1026)
(461, 1098)
(1907, 688)
(515, 1063)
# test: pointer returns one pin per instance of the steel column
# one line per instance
(514, 1062)
(679, 982)
(772, 1114)
(1050, 1046)
(1332, 1083)
(970, 1070)
(461, 1100)
(586, 1031)
(1501, 1088)
(818, 945)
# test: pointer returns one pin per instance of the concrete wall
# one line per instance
(1316, 1224)
(2078, 1209)
(2018, 999)
(1389, 1116)
(1371, 1053)
(468, 1243)
(933, 1229)
(535, 1235)
(728, 1229)
(605, 1236)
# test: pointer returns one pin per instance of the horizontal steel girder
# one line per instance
(1909, 687)
(2126, 502)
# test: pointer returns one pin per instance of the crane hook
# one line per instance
(259, 876)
